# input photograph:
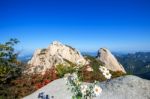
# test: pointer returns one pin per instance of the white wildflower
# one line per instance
(103, 69)
(75, 75)
(77, 82)
(84, 89)
(107, 75)
(97, 90)
(67, 75)
(66, 79)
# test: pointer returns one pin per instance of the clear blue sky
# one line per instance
(120, 25)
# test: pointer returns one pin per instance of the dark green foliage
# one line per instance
(90, 76)
(8, 61)
(95, 74)
(70, 63)
(94, 62)
(10, 67)
(62, 70)
(117, 74)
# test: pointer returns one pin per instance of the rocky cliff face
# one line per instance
(105, 56)
(56, 53)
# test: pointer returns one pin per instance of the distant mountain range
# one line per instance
(25, 58)
(136, 63)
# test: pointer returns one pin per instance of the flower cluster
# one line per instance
(85, 91)
(105, 72)
(81, 90)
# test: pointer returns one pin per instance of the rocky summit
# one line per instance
(109, 60)
(126, 87)
(56, 53)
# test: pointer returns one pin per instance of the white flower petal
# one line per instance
(97, 90)
(103, 69)
(107, 75)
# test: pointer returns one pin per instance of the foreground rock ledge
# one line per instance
(127, 87)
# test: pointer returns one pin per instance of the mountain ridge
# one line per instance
(57, 53)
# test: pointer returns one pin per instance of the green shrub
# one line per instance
(95, 74)
(90, 76)
(116, 74)
(62, 69)
(8, 61)
(94, 62)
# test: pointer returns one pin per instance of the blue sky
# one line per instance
(120, 25)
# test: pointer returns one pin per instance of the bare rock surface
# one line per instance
(126, 87)
(105, 56)
(56, 53)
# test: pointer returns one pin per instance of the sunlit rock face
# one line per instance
(56, 53)
(125, 87)
(105, 56)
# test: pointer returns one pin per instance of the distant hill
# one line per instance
(136, 63)
(25, 58)
(90, 53)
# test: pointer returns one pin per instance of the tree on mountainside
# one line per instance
(8, 61)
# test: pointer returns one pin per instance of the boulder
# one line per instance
(109, 60)
(126, 87)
